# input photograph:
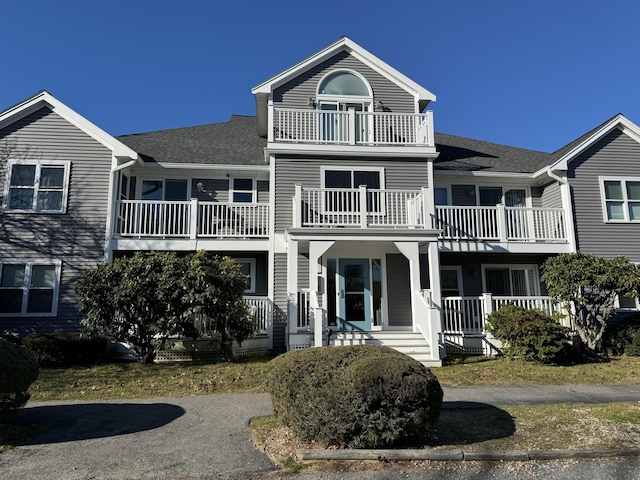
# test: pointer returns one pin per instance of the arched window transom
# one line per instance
(343, 83)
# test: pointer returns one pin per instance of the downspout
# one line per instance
(108, 254)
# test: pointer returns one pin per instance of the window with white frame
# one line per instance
(36, 186)
(620, 199)
(248, 267)
(29, 288)
(342, 183)
(511, 280)
(242, 190)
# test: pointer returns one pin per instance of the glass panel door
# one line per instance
(354, 294)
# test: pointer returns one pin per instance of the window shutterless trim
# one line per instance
(30, 263)
(252, 273)
(253, 192)
(39, 164)
(624, 200)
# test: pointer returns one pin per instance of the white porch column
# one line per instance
(292, 285)
(316, 250)
(411, 250)
(433, 256)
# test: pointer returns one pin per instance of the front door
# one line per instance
(354, 294)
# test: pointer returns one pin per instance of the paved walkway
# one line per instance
(201, 437)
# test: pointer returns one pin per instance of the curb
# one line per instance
(462, 455)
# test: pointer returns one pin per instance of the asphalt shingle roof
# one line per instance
(235, 142)
(467, 154)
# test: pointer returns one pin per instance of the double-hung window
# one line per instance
(620, 199)
(242, 190)
(29, 288)
(36, 186)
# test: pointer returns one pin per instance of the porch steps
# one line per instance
(407, 342)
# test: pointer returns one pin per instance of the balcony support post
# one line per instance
(352, 126)
(502, 222)
(362, 192)
(193, 219)
(297, 207)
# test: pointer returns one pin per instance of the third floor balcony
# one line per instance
(351, 127)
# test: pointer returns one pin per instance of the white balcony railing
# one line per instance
(466, 315)
(351, 127)
(191, 219)
(260, 309)
(360, 207)
(501, 223)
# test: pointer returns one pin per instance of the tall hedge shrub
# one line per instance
(18, 370)
(362, 396)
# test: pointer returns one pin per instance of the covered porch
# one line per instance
(352, 290)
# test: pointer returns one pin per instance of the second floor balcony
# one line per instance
(190, 219)
(359, 208)
(501, 224)
(351, 127)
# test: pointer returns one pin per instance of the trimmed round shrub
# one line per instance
(361, 396)
(18, 370)
(65, 349)
(619, 338)
(529, 334)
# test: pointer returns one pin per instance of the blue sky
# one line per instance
(533, 74)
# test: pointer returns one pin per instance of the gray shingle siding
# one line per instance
(76, 237)
(296, 92)
(615, 155)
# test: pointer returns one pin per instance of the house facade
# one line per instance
(354, 220)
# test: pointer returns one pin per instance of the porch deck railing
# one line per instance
(359, 207)
(260, 308)
(501, 223)
(191, 219)
(466, 315)
(351, 127)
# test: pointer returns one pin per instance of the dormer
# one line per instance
(343, 95)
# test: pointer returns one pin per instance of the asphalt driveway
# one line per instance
(173, 438)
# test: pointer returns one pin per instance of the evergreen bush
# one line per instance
(18, 370)
(65, 349)
(619, 338)
(529, 334)
(362, 396)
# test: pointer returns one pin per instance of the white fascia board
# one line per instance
(205, 166)
(619, 121)
(484, 174)
(352, 151)
(358, 52)
(43, 98)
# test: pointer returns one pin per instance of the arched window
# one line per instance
(343, 83)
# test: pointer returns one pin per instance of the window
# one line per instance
(620, 199)
(242, 190)
(36, 186)
(248, 267)
(174, 190)
(511, 280)
(29, 288)
(351, 179)
(451, 281)
(440, 196)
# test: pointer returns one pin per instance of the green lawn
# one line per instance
(125, 380)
